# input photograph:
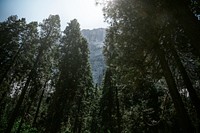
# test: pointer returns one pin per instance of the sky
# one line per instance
(86, 12)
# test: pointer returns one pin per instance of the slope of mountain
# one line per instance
(95, 40)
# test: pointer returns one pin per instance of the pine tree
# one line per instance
(135, 48)
(107, 105)
(181, 12)
(49, 35)
(74, 80)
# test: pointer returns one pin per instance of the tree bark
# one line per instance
(30, 75)
(56, 109)
(118, 111)
(39, 104)
(77, 123)
(22, 118)
(184, 120)
(21, 98)
(192, 93)
(11, 64)
(181, 12)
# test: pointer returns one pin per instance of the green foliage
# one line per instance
(150, 84)
(26, 128)
(139, 31)
(74, 86)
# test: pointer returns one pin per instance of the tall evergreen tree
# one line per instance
(49, 35)
(135, 38)
(107, 105)
(74, 79)
(181, 11)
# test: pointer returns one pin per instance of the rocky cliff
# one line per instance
(95, 40)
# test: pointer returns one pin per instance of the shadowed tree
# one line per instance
(50, 31)
(74, 80)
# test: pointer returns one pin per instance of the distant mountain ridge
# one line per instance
(95, 40)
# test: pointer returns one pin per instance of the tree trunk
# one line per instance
(21, 98)
(4, 94)
(184, 120)
(22, 119)
(11, 64)
(192, 93)
(56, 109)
(30, 75)
(118, 111)
(39, 104)
(181, 11)
(77, 123)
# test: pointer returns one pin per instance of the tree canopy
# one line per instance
(150, 85)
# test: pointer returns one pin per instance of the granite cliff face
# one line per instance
(95, 40)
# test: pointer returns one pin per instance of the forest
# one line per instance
(151, 83)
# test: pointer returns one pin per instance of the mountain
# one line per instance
(95, 40)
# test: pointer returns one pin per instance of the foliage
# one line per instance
(151, 81)
(144, 52)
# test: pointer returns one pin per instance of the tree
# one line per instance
(49, 35)
(20, 61)
(74, 80)
(135, 38)
(107, 105)
(180, 11)
(12, 33)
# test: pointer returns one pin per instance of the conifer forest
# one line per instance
(150, 82)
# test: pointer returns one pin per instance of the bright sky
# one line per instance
(85, 11)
